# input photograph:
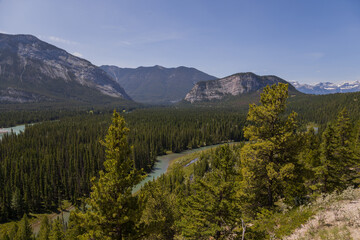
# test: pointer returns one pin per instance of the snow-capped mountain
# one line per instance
(327, 87)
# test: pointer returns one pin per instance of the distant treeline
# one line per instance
(324, 108)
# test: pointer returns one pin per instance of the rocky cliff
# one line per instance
(32, 70)
(233, 85)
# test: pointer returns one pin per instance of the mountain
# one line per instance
(234, 85)
(34, 71)
(157, 84)
(327, 87)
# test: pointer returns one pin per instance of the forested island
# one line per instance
(261, 188)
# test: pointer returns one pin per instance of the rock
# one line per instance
(233, 85)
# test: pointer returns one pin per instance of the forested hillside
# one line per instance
(53, 161)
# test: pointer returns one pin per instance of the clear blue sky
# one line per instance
(302, 40)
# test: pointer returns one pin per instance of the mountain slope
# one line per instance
(327, 87)
(157, 84)
(234, 85)
(34, 71)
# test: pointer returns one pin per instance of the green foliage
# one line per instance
(212, 208)
(158, 215)
(44, 232)
(24, 232)
(57, 231)
(276, 225)
(53, 161)
(17, 203)
(269, 164)
(310, 159)
(113, 211)
(337, 155)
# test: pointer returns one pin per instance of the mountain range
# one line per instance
(157, 84)
(327, 87)
(32, 70)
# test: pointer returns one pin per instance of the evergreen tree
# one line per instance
(44, 232)
(75, 226)
(270, 169)
(13, 231)
(337, 154)
(346, 148)
(24, 232)
(17, 203)
(57, 231)
(310, 158)
(5, 237)
(158, 214)
(114, 211)
(212, 211)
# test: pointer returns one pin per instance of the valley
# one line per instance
(95, 151)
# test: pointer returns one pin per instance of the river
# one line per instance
(160, 167)
(16, 130)
(163, 162)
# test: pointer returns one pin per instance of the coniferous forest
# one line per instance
(94, 160)
(58, 158)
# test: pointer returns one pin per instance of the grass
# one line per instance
(34, 218)
(279, 224)
(6, 227)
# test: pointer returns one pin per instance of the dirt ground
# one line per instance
(340, 220)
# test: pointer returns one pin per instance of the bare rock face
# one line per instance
(17, 96)
(30, 65)
(233, 85)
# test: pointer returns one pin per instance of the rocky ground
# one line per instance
(338, 217)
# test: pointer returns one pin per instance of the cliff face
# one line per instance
(32, 70)
(233, 85)
(157, 84)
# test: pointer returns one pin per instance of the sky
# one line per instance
(307, 41)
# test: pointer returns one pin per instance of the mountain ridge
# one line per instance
(328, 87)
(157, 84)
(32, 70)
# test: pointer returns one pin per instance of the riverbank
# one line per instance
(16, 130)
(165, 162)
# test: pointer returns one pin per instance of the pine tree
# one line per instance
(337, 154)
(158, 214)
(44, 232)
(17, 203)
(345, 149)
(212, 211)
(57, 231)
(114, 211)
(13, 231)
(24, 232)
(269, 165)
(5, 237)
(310, 158)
